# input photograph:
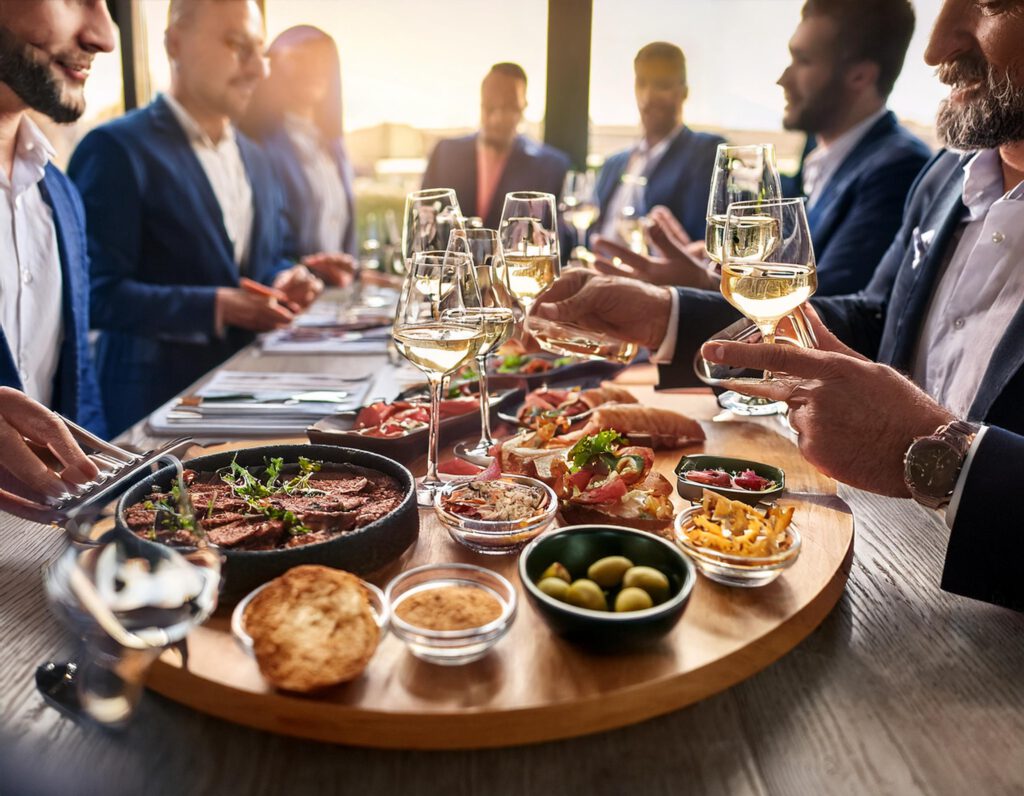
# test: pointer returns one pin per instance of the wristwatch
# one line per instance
(932, 464)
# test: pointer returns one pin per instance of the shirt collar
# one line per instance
(193, 131)
(658, 149)
(32, 151)
(837, 151)
(983, 183)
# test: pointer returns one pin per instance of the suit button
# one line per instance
(998, 237)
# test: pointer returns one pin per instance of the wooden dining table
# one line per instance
(902, 689)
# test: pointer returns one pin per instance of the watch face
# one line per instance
(932, 467)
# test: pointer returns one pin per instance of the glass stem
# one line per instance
(436, 384)
(767, 336)
(485, 404)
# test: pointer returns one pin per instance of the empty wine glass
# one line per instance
(497, 317)
(579, 207)
(631, 225)
(430, 217)
(438, 327)
(529, 240)
(127, 603)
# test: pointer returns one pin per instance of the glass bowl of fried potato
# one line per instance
(736, 544)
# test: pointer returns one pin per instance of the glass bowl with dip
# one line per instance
(450, 614)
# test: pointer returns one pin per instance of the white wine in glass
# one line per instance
(741, 174)
(767, 291)
(433, 339)
(495, 316)
(579, 206)
(753, 238)
(529, 241)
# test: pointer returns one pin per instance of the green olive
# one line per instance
(554, 587)
(556, 570)
(632, 599)
(607, 572)
(586, 594)
(651, 580)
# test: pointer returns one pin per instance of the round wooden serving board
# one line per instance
(533, 686)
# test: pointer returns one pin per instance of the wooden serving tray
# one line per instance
(533, 686)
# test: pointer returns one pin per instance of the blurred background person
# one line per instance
(485, 166)
(859, 163)
(296, 114)
(46, 51)
(179, 207)
(671, 162)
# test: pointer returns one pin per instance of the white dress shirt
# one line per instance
(979, 292)
(643, 160)
(224, 168)
(822, 162)
(322, 227)
(30, 276)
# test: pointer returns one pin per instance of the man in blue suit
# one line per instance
(859, 162)
(946, 305)
(179, 207)
(671, 162)
(497, 160)
(46, 50)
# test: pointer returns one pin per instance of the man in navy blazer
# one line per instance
(179, 207)
(497, 160)
(858, 165)
(946, 304)
(46, 50)
(675, 161)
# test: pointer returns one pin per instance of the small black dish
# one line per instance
(693, 491)
(577, 547)
(361, 551)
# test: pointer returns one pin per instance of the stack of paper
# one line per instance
(250, 403)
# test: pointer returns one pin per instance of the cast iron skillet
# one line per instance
(361, 551)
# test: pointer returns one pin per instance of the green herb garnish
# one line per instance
(592, 447)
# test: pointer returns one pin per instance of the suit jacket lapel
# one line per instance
(193, 174)
(74, 292)
(820, 217)
(922, 265)
(9, 376)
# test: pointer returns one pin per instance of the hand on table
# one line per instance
(249, 310)
(299, 286)
(855, 418)
(40, 453)
(334, 268)
(627, 309)
(675, 266)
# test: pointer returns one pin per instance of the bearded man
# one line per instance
(46, 50)
(946, 305)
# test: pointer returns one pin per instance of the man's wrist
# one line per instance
(664, 346)
(933, 464)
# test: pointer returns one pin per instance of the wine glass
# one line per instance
(438, 327)
(529, 239)
(496, 312)
(430, 217)
(579, 207)
(768, 267)
(631, 223)
(127, 603)
(741, 173)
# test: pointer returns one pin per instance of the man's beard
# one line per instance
(820, 110)
(34, 83)
(991, 118)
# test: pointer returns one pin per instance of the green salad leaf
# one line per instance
(589, 448)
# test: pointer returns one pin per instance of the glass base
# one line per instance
(478, 453)
(750, 406)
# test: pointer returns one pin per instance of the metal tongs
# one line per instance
(77, 509)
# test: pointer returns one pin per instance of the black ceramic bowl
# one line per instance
(577, 547)
(361, 551)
